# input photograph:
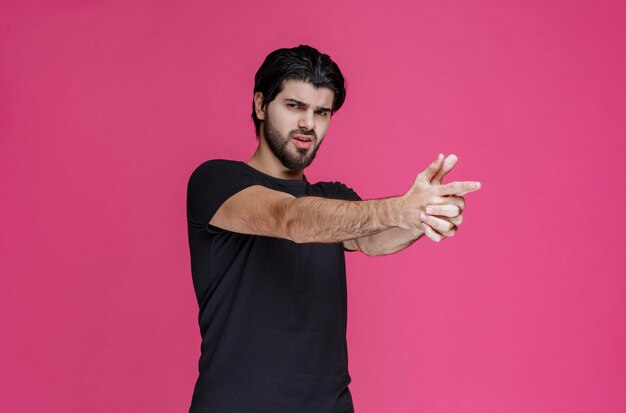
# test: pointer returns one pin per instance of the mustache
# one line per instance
(310, 133)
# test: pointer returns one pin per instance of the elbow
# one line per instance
(286, 223)
(364, 248)
(377, 252)
(291, 233)
(373, 253)
(295, 230)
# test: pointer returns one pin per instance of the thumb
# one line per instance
(432, 169)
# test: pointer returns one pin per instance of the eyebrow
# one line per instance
(305, 105)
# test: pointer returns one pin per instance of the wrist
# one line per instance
(396, 210)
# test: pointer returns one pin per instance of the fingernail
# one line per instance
(422, 216)
(477, 185)
(429, 210)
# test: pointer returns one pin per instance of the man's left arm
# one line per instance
(385, 242)
(441, 222)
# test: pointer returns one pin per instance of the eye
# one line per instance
(292, 105)
(323, 113)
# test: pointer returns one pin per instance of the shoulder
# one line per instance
(214, 168)
(217, 164)
(212, 183)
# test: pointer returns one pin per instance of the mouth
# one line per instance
(303, 141)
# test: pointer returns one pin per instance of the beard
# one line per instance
(280, 147)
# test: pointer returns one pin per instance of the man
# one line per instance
(267, 248)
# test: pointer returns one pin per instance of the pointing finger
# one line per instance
(432, 169)
(447, 166)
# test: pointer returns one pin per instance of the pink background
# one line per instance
(107, 107)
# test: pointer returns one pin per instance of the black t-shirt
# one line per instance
(272, 312)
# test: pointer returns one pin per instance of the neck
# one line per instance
(265, 161)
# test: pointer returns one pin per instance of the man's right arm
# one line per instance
(262, 211)
(258, 210)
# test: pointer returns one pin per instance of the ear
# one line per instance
(258, 106)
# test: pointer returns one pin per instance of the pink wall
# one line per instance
(106, 108)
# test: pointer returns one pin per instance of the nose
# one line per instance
(306, 121)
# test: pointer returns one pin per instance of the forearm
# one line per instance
(316, 219)
(387, 242)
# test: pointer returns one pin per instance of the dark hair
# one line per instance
(303, 63)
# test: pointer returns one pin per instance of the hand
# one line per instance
(444, 201)
(441, 221)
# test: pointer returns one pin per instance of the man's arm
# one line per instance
(439, 222)
(385, 242)
(262, 211)
(258, 210)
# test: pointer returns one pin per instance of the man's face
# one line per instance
(296, 121)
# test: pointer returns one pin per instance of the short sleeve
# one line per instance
(210, 185)
(335, 190)
(345, 192)
(349, 194)
(338, 190)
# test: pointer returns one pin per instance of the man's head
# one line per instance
(304, 88)
(302, 63)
